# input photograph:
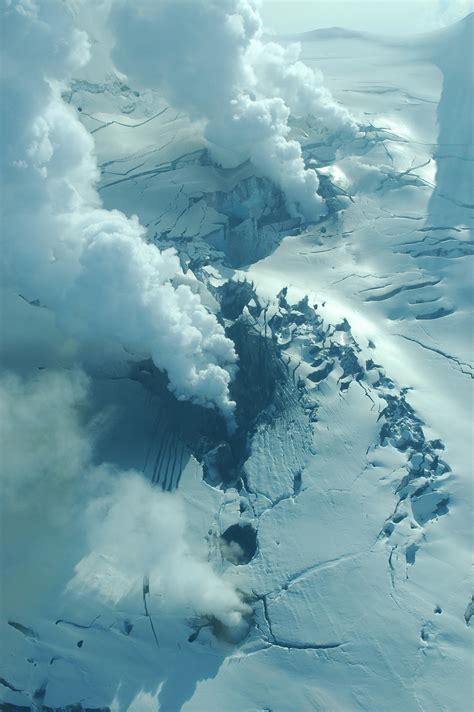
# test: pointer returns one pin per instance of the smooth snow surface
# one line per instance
(316, 554)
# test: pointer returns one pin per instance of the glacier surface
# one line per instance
(338, 511)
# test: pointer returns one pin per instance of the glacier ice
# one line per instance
(316, 554)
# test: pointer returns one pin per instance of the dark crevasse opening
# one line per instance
(240, 543)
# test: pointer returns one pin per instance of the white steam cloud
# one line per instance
(45, 476)
(280, 72)
(54, 497)
(138, 529)
(105, 284)
(45, 445)
(91, 266)
(209, 58)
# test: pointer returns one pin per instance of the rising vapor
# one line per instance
(91, 266)
(215, 65)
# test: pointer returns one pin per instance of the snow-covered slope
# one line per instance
(341, 505)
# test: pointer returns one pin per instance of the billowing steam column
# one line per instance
(63, 250)
(209, 59)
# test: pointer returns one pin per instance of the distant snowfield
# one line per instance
(358, 481)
